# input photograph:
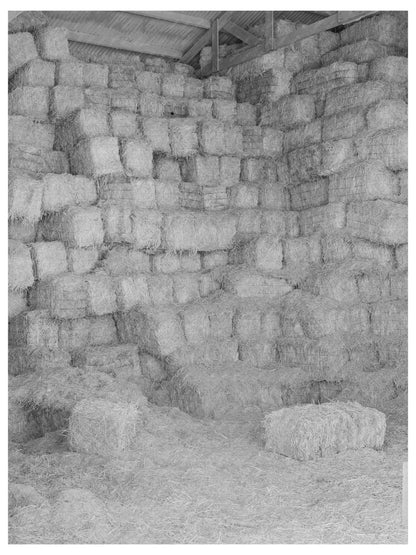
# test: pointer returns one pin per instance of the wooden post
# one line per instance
(268, 31)
(215, 41)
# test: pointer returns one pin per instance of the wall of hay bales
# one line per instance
(156, 219)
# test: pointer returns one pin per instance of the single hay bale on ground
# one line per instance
(17, 303)
(101, 427)
(24, 131)
(21, 50)
(75, 227)
(25, 197)
(380, 221)
(96, 157)
(33, 328)
(20, 272)
(389, 146)
(312, 431)
(49, 258)
(24, 360)
(195, 231)
(52, 43)
(368, 180)
(64, 190)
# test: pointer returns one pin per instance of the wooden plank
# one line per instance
(204, 39)
(340, 18)
(268, 30)
(241, 33)
(177, 17)
(215, 42)
(110, 41)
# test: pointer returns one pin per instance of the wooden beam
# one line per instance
(177, 17)
(108, 40)
(241, 33)
(215, 42)
(268, 30)
(339, 18)
(204, 39)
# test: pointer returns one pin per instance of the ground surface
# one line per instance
(188, 481)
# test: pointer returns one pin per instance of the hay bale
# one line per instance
(195, 323)
(122, 76)
(69, 73)
(25, 360)
(244, 196)
(208, 285)
(100, 156)
(65, 100)
(248, 224)
(289, 111)
(218, 87)
(137, 193)
(124, 99)
(200, 109)
(247, 283)
(64, 296)
(361, 95)
(344, 125)
(224, 110)
(32, 102)
(185, 287)
(247, 323)
(360, 52)
(309, 195)
(322, 218)
(390, 68)
(194, 88)
(325, 79)
(158, 65)
(23, 231)
(83, 260)
(49, 258)
(101, 294)
(27, 132)
(382, 254)
(386, 115)
(33, 328)
(173, 84)
(150, 105)
(167, 195)
(156, 132)
(183, 137)
(258, 169)
(305, 163)
(61, 191)
(195, 231)
(389, 146)
(209, 352)
(190, 262)
(259, 353)
(20, 428)
(380, 221)
(302, 136)
(283, 224)
(166, 263)
(152, 368)
(83, 124)
(167, 169)
(273, 196)
(204, 170)
(101, 427)
(36, 73)
(21, 50)
(16, 303)
(123, 123)
(233, 140)
(148, 81)
(229, 170)
(199, 197)
(387, 28)
(76, 334)
(211, 137)
(264, 253)
(160, 289)
(95, 75)
(119, 361)
(131, 291)
(97, 97)
(368, 180)
(174, 107)
(146, 229)
(25, 197)
(312, 431)
(156, 331)
(123, 260)
(401, 253)
(75, 227)
(246, 114)
(389, 318)
(137, 157)
(52, 43)
(337, 155)
(300, 251)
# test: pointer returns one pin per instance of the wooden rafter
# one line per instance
(335, 20)
(177, 17)
(205, 39)
(241, 33)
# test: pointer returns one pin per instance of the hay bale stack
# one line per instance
(61, 191)
(387, 114)
(83, 124)
(21, 50)
(123, 123)
(25, 197)
(325, 79)
(64, 296)
(34, 328)
(313, 431)
(24, 131)
(137, 158)
(75, 227)
(309, 195)
(247, 283)
(65, 100)
(49, 258)
(360, 52)
(20, 275)
(25, 360)
(387, 28)
(265, 254)
(137, 193)
(389, 146)
(96, 157)
(380, 221)
(36, 73)
(52, 43)
(290, 111)
(102, 427)
(322, 218)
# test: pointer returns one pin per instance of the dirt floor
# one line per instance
(188, 481)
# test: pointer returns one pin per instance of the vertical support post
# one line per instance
(215, 42)
(404, 495)
(268, 31)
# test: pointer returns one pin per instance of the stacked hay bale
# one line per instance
(154, 226)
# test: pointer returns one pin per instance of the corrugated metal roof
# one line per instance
(140, 33)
